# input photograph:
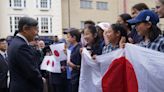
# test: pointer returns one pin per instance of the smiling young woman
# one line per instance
(146, 26)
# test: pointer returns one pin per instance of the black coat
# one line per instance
(3, 72)
(75, 59)
(59, 78)
(24, 72)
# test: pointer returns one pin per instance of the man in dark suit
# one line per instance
(24, 73)
(3, 66)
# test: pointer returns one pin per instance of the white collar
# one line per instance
(3, 53)
(23, 37)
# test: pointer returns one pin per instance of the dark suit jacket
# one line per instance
(3, 72)
(24, 73)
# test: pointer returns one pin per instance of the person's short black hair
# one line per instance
(28, 21)
(46, 49)
(89, 22)
(2, 39)
(140, 6)
(75, 33)
(125, 17)
(119, 28)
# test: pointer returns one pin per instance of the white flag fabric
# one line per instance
(50, 64)
(58, 51)
(132, 69)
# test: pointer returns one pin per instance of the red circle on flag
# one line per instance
(48, 62)
(56, 53)
(52, 63)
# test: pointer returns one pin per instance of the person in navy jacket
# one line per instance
(24, 73)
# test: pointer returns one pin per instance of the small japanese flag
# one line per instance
(50, 64)
(58, 51)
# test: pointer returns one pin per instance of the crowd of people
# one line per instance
(21, 59)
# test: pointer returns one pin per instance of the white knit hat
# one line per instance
(104, 25)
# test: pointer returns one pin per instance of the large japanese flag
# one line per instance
(50, 64)
(58, 51)
(132, 69)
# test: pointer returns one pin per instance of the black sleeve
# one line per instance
(27, 65)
